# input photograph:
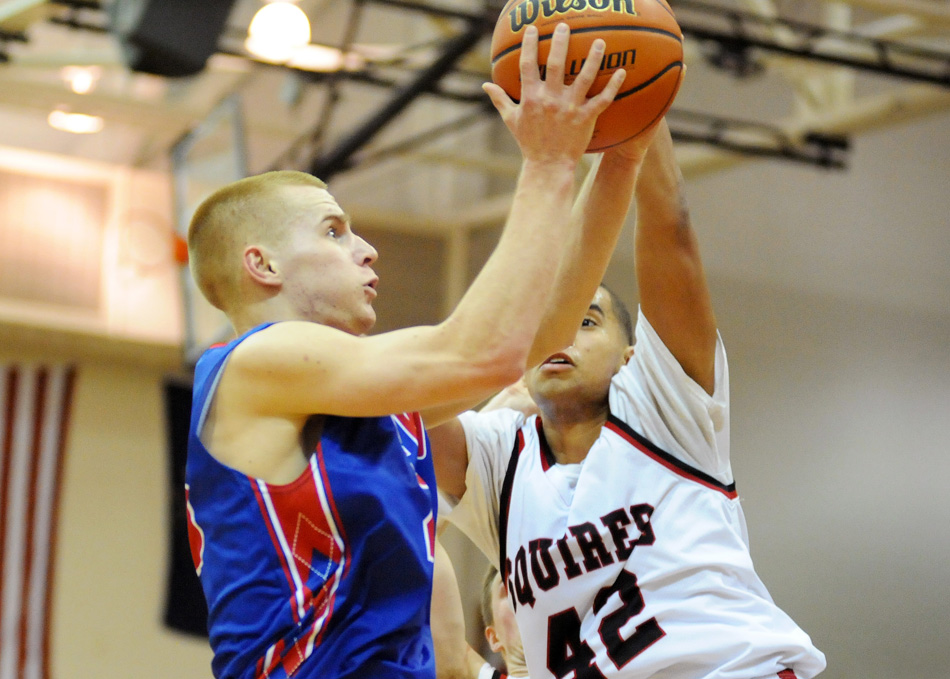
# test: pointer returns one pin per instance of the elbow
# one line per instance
(493, 358)
(508, 369)
(503, 366)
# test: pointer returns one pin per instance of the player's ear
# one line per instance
(494, 643)
(260, 265)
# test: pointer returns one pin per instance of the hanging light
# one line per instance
(77, 123)
(81, 79)
(277, 30)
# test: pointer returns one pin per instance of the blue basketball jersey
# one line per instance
(330, 575)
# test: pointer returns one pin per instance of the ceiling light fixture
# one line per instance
(323, 59)
(277, 31)
(81, 79)
(77, 123)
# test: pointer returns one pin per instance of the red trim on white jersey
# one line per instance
(676, 466)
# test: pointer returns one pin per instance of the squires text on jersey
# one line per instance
(582, 549)
(528, 11)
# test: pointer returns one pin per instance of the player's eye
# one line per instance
(588, 322)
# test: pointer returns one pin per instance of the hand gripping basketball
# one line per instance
(642, 38)
(554, 119)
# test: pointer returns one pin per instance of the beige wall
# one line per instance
(840, 429)
(840, 442)
(841, 435)
(112, 566)
(111, 560)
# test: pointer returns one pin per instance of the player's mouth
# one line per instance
(557, 363)
(370, 287)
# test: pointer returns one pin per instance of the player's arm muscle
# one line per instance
(299, 368)
(449, 456)
(674, 295)
(598, 216)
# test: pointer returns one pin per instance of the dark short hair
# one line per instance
(621, 313)
(488, 616)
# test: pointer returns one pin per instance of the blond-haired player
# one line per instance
(309, 480)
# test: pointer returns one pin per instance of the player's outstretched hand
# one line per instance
(554, 122)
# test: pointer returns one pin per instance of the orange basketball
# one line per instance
(642, 36)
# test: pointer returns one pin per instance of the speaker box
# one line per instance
(171, 38)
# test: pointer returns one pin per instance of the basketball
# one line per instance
(641, 36)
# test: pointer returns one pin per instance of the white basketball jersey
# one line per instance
(635, 562)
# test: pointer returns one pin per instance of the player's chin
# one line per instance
(367, 319)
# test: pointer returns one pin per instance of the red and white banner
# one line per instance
(34, 413)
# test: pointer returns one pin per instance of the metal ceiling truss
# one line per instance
(452, 50)
(6, 37)
(735, 33)
(756, 139)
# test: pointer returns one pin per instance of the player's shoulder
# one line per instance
(276, 348)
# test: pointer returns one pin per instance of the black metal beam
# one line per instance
(737, 30)
(429, 136)
(760, 140)
(434, 10)
(425, 81)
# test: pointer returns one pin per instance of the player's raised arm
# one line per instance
(599, 213)
(484, 344)
(674, 294)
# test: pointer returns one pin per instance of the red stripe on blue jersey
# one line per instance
(274, 540)
(308, 542)
(331, 503)
(411, 425)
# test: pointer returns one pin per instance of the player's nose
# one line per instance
(365, 253)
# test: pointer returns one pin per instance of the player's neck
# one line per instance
(269, 310)
(515, 663)
(571, 433)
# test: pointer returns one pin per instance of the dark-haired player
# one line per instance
(613, 515)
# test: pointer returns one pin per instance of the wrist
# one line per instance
(554, 179)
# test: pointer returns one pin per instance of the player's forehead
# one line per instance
(314, 200)
(603, 304)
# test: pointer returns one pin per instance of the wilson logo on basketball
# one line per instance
(528, 11)
(610, 62)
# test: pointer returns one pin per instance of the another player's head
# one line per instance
(277, 246)
(581, 373)
(501, 630)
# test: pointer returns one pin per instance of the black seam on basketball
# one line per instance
(647, 83)
(622, 141)
(593, 29)
(666, 9)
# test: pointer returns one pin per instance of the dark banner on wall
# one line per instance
(185, 607)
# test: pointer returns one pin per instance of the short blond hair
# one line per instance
(241, 210)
